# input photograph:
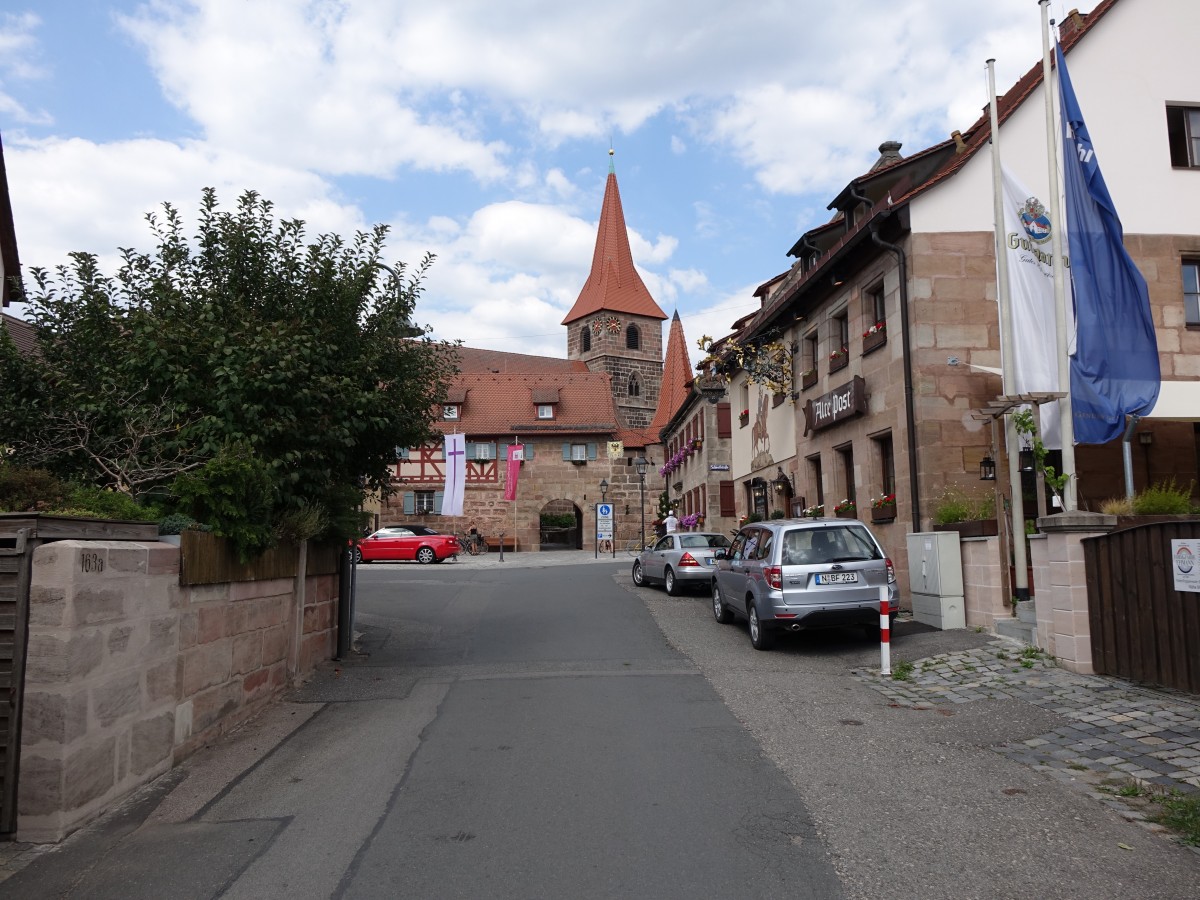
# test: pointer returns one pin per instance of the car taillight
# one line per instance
(891, 571)
(774, 576)
(687, 560)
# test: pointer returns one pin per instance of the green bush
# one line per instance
(178, 523)
(956, 506)
(778, 514)
(557, 520)
(1163, 498)
(235, 494)
(108, 504)
(24, 489)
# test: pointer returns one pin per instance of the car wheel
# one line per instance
(357, 556)
(426, 555)
(762, 638)
(639, 576)
(721, 613)
(670, 582)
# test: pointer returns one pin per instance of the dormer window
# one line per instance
(545, 410)
(450, 412)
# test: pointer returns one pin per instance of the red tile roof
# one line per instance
(21, 332)
(613, 283)
(676, 378)
(472, 360)
(503, 405)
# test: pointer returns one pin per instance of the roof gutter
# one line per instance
(906, 343)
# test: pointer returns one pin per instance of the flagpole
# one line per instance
(1007, 361)
(1065, 411)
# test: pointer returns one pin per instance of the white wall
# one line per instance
(1137, 58)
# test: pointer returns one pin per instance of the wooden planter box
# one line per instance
(883, 514)
(839, 363)
(973, 528)
(744, 419)
(808, 379)
(873, 341)
(849, 514)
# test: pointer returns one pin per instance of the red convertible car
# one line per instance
(398, 543)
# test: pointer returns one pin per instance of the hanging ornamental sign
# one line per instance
(829, 409)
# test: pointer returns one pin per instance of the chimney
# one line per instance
(959, 144)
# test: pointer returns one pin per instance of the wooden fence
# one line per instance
(1142, 628)
(205, 558)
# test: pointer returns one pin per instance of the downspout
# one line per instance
(906, 345)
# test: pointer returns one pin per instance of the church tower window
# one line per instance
(585, 339)
(633, 338)
(635, 386)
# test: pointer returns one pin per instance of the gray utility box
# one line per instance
(935, 579)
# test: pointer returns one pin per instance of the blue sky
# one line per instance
(480, 130)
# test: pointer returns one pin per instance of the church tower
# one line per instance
(615, 326)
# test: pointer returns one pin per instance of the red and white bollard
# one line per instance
(885, 633)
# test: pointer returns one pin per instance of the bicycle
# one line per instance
(473, 544)
(636, 545)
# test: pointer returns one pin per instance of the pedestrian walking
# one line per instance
(671, 523)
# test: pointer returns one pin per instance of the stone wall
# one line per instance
(545, 478)
(128, 672)
(983, 582)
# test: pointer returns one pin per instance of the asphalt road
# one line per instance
(554, 731)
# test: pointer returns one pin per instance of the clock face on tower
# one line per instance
(611, 324)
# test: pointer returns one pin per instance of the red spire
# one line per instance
(613, 284)
(676, 378)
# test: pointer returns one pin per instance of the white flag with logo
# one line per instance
(456, 474)
(1027, 228)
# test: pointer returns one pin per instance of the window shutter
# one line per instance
(437, 502)
(492, 448)
(567, 452)
(728, 507)
(410, 503)
(443, 450)
(724, 422)
(591, 451)
(529, 451)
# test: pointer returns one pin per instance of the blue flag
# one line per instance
(1114, 370)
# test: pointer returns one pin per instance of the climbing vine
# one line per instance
(1025, 426)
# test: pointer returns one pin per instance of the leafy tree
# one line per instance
(304, 355)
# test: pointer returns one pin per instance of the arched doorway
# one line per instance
(561, 526)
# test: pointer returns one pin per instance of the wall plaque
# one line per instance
(829, 409)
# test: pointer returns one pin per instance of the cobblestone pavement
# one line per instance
(1118, 730)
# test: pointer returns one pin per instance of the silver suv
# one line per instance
(802, 573)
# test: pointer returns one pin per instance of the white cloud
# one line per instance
(19, 54)
(127, 179)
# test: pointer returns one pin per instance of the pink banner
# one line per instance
(515, 454)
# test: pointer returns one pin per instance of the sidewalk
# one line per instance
(1118, 730)
(531, 559)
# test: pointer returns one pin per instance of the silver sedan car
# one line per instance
(678, 560)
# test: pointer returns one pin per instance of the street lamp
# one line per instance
(639, 466)
(611, 536)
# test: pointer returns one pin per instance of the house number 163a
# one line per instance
(91, 562)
